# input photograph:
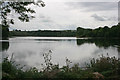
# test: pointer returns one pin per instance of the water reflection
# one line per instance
(29, 51)
(118, 51)
(100, 42)
(4, 46)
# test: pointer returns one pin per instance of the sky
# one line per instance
(70, 14)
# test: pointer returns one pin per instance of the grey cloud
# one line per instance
(42, 16)
(113, 19)
(119, 11)
(68, 15)
(94, 6)
(45, 18)
(104, 18)
(96, 17)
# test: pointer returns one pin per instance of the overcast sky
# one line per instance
(68, 14)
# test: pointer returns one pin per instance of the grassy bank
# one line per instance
(98, 69)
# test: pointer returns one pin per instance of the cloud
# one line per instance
(93, 6)
(81, 0)
(45, 19)
(103, 18)
(113, 18)
(70, 15)
(98, 18)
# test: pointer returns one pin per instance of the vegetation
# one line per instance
(18, 7)
(44, 33)
(105, 32)
(101, 68)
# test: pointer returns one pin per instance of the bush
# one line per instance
(109, 67)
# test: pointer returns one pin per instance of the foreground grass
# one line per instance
(101, 68)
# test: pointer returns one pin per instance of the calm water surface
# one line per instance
(29, 50)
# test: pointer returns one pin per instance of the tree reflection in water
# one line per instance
(4, 46)
(100, 42)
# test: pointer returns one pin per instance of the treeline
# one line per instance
(106, 32)
(45, 33)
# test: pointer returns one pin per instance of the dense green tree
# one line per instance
(105, 32)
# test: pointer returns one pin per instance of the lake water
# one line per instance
(29, 50)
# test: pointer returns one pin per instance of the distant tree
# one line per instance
(106, 32)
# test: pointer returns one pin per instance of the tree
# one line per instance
(105, 32)
(19, 8)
